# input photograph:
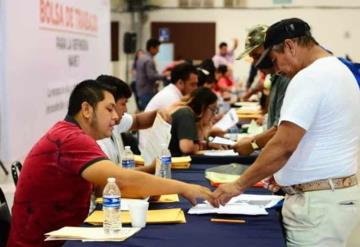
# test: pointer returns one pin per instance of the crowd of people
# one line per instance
(309, 147)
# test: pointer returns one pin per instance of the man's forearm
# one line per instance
(143, 120)
(274, 155)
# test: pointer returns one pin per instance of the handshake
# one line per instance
(224, 192)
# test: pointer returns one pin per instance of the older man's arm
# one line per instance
(272, 158)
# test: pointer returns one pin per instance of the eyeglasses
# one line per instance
(213, 110)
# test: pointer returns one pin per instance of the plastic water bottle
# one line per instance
(164, 169)
(127, 160)
(111, 207)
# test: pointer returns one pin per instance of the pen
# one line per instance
(227, 221)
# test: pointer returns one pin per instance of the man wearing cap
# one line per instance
(313, 154)
(254, 47)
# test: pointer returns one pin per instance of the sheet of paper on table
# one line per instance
(90, 234)
(247, 204)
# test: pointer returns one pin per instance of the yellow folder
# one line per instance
(162, 199)
(173, 215)
(176, 162)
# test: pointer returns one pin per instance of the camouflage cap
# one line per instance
(254, 39)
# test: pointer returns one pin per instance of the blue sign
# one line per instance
(164, 34)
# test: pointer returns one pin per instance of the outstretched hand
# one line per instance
(225, 192)
(192, 192)
(270, 184)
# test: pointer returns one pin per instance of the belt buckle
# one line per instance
(290, 190)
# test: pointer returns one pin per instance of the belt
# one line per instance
(323, 184)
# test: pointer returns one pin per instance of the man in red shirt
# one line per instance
(58, 174)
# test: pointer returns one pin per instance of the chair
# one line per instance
(15, 171)
(5, 219)
(4, 168)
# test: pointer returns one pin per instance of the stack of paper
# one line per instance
(176, 162)
(173, 215)
(222, 141)
(243, 204)
(167, 198)
(246, 103)
(229, 152)
(90, 234)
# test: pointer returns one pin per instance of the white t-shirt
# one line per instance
(166, 97)
(113, 147)
(323, 99)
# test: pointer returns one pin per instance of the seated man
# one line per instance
(183, 81)
(113, 146)
(59, 172)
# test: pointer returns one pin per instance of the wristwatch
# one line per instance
(254, 145)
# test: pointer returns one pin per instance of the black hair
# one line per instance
(152, 43)
(222, 44)
(222, 69)
(206, 72)
(182, 71)
(122, 90)
(90, 91)
(200, 99)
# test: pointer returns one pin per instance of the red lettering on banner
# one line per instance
(53, 13)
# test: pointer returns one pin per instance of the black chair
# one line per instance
(4, 168)
(15, 171)
(5, 220)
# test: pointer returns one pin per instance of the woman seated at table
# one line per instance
(191, 122)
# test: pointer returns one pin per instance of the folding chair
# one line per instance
(4, 168)
(5, 220)
(15, 171)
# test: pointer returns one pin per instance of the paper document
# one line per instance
(229, 152)
(246, 103)
(90, 233)
(159, 134)
(173, 215)
(266, 201)
(167, 198)
(228, 120)
(223, 141)
(246, 209)
(254, 128)
(247, 204)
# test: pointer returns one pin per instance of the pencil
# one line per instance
(227, 221)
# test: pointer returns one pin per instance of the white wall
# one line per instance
(336, 29)
(47, 47)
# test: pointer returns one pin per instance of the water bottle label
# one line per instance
(128, 164)
(111, 202)
(166, 160)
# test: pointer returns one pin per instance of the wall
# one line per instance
(333, 28)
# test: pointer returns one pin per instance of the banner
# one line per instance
(47, 47)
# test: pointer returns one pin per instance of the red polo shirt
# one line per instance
(51, 193)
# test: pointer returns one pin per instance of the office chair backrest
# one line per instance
(15, 171)
(5, 219)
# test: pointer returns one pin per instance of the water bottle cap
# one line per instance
(111, 180)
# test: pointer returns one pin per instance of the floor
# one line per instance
(7, 185)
